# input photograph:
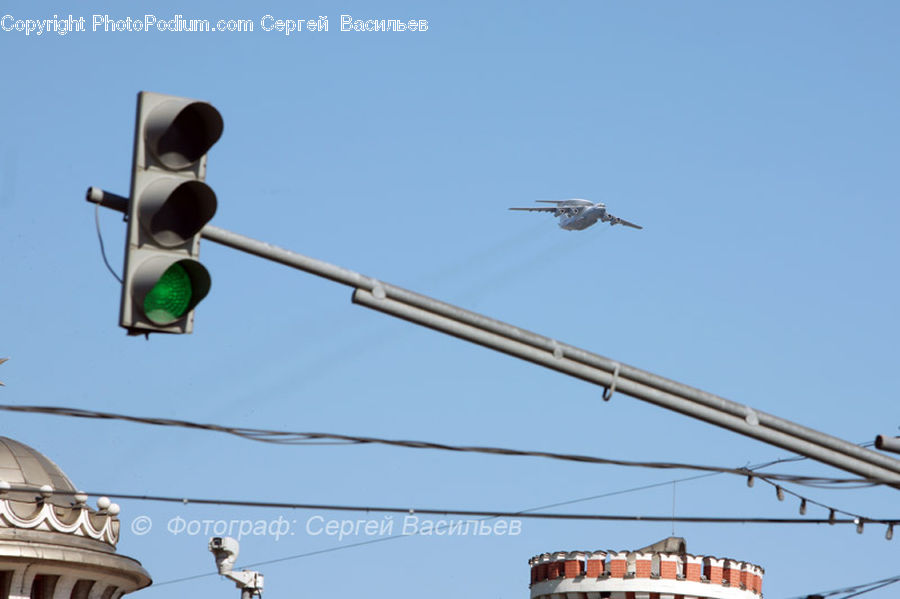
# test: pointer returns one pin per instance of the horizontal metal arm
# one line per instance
(562, 357)
(627, 386)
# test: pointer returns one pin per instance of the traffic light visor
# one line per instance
(181, 132)
(173, 211)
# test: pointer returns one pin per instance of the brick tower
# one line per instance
(663, 570)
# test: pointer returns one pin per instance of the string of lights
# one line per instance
(754, 468)
(860, 520)
(307, 438)
(805, 501)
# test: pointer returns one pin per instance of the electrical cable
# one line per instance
(521, 512)
(455, 512)
(527, 510)
(100, 238)
(293, 438)
(864, 591)
(855, 591)
(306, 438)
(798, 458)
(269, 436)
(392, 537)
(804, 501)
(612, 493)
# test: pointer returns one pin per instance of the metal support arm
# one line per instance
(550, 353)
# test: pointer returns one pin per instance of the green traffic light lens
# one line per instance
(169, 299)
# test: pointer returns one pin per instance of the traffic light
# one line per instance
(168, 207)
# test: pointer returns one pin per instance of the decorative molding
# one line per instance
(77, 520)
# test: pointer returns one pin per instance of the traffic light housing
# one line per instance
(168, 206)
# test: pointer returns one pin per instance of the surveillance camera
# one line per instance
(225, 550)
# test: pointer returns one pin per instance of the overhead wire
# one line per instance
(295, 438)
(316, 438)
(870, 589)
(780, 491)
(859, 519)
(853, 591)
(102, 247)
(393, 537)
(444, 511)
(521, 512)
(287, 558)
(806, 501)
(526, 513)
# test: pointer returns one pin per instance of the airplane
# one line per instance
(577, 214)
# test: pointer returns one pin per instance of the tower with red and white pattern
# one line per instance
(661, 571)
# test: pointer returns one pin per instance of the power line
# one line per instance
(100, 238)
(622, 492)
(287, 558)
(315, 438)
(393, 537)
(524, 511)
(455, 512)
(297, 438)
(854, 591)
(521, 512)
(780, 492)
(805, 501)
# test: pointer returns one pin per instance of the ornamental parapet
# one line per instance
(31, 508)
(616, 574)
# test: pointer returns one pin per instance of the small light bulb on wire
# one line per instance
(890, 532)
(802, 506)
(859, 525)
(779, 493)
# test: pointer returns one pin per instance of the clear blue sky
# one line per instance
(757, 143)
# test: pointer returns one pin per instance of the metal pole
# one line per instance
(641, 376)
(626, 386)
(883, 442)
(566, 358)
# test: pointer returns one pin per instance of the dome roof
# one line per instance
(51, 543)
(42, 498)
(22, 465)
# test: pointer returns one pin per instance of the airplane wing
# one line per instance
(615, 220)
(539, 209)
(569, 202)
